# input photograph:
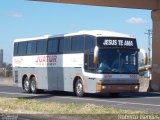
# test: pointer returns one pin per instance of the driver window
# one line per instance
(89, 65)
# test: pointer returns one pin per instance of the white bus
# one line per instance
(74, 62)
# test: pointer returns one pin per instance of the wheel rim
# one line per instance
(33, 85)
(79, 88)
(26, 85)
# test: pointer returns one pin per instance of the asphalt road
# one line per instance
(135, 101)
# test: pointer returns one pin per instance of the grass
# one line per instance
(37, 106)
(32, 106)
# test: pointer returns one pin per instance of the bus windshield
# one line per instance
(118, 61)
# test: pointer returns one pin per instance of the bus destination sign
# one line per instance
(117, 42)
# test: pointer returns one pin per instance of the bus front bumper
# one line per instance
(116, 88)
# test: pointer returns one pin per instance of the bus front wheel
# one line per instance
(27, 85)
(33, 85)
(79, 88)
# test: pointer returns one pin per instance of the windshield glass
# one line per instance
(118, 61)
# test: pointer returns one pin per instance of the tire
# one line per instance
(27, 85)
(33, 86)
(79, 88)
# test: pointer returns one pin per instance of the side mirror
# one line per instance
(95, 59)
(144, 56)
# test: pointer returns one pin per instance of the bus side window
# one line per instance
(89, 42)
(88, 63)
(52, 45)
(91, 64)
(77, 43)
(41, 46)
(15, 49)
(22, 48)
(31, 47)
(67, 44)
(61, 45)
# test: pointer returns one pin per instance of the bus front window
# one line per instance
(118, 61)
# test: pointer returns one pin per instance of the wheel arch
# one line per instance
(23, 78)
(31, 76)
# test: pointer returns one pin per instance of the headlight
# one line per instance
(136, 87)
(103, 87)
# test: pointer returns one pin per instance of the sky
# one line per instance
(22, 19)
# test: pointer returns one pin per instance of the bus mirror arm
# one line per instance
(95, 58)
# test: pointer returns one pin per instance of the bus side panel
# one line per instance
(62, 78)
(40, 74)
(52, 78)
(17, 77)
(41, 77)
(91, 84)
(69, 75)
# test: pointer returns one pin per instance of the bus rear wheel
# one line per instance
(79, 88)
(33, 85)
(27, 85)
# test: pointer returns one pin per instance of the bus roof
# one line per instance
(99, 33)
(96, 33)
(33, 38)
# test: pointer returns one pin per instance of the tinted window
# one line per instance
(67, 45)
(91, 64)
(41, 46)
(119, 61)
(15, 48)
(52, 45)
(88, 62)
(78, 43)
(31, 47)
(61, 45)
(89, 42)
(22, 48)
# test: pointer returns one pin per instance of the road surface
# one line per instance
(135, 101)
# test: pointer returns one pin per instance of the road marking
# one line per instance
(110, 101)
(151, 97)
(18, 94)
(87, 99)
